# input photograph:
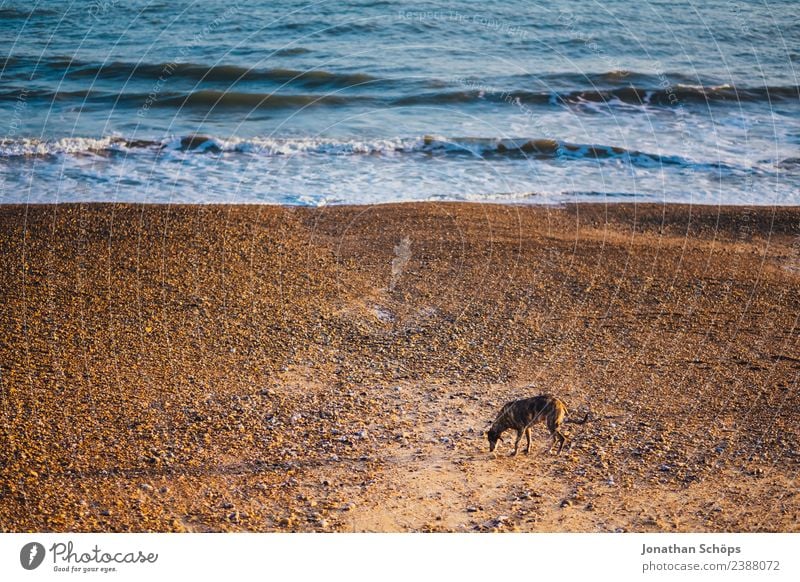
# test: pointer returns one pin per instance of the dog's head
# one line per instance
(493, 437)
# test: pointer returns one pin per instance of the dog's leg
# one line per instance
(516, 442)
(562, 439)
(528, 435)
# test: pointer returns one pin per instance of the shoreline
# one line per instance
(615, 202)
(286, 368)
(735, 217)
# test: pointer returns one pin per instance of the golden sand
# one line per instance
(218, 368)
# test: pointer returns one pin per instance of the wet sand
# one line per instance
(257, 368)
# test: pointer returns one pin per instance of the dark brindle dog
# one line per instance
(522, 414)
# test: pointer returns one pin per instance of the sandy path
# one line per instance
(440, 476)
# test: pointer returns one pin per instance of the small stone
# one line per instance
(566, 503)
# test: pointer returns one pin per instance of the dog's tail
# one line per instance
(584, 420)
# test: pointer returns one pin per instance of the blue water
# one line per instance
(369, 101)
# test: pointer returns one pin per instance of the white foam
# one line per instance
(72, 145)
(431, 144)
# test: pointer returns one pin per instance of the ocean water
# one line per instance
(365, 101)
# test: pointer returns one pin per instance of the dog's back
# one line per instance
(527, 411)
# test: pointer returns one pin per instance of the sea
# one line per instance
(367, 101)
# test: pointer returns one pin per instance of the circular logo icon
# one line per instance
(31, 555)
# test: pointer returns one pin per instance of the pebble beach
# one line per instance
(275, 368)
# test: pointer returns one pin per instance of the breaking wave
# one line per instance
(430, 145)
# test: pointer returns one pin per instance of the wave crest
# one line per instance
(429, 145)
